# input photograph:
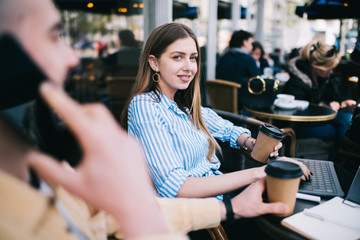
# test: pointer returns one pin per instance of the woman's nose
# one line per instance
(188, 65)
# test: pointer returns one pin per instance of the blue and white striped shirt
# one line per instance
(174, 148)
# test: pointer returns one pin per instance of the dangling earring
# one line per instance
(156, 76)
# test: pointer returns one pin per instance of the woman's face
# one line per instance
(256, 53)
(177, 66)
(323, 73)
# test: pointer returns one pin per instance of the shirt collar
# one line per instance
(169, 104)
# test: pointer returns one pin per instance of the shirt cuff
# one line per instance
(187, 214)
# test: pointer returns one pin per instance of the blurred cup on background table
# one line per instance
(282, 76)
(285, 99)
(268, 72)
(282, 183)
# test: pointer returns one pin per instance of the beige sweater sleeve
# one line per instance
(182, 215)
(187, 214)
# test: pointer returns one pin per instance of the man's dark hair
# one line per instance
(238, 38)
(127, 38)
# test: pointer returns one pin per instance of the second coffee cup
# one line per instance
(268, 137)
(282, 183)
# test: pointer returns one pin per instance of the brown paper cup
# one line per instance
(282, 190)
(282, 183)
(263, 147)
(267, 139)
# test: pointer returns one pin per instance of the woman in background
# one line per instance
(311, 80)
(258, 54)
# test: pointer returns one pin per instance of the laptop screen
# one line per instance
(354, 191)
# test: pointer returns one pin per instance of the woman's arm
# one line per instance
(220, 184)
(223, 129)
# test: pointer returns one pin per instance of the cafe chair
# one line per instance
(118, 91)
(223, 95)
(217, 233)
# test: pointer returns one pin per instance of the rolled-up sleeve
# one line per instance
(222, 129)
(146, 123)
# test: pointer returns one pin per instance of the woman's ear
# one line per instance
(153, 63)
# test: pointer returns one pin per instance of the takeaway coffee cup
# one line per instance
(282, 183)
(268, 137)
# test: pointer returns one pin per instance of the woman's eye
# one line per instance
(55, 37)
(177, 57)
(193, 58)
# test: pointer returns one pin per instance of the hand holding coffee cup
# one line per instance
(268, 139)
(282, 183)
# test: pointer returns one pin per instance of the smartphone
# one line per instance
(20, 76)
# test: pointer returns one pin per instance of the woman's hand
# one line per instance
(305, 170)
(348, 103)
(334, 105)
(250, 142)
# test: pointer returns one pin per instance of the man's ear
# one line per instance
(153, 63)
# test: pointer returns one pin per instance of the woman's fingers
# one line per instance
(275, 153)
(304, 169)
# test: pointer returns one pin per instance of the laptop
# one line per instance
(324, 181)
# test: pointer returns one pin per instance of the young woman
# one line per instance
(311, 80)
(177, 134)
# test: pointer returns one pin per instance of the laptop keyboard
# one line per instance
(321, 180)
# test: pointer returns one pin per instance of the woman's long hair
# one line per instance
(189, 98)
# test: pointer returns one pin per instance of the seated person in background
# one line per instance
(310, 80)
(178, 135)
(258, 54)
(276, 57)
(125, 61)
(99, 177)
(236, 64)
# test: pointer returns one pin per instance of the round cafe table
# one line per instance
(313, 114)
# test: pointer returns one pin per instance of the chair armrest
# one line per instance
(289, 142)
(217, 233)
(245, 121)
(238, 119)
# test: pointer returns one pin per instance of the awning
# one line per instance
(329, 9)
(134, 7)
(101, 6)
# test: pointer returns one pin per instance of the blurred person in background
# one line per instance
(125, 61)
(311, 80)
(236, 64)
(258, 53)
